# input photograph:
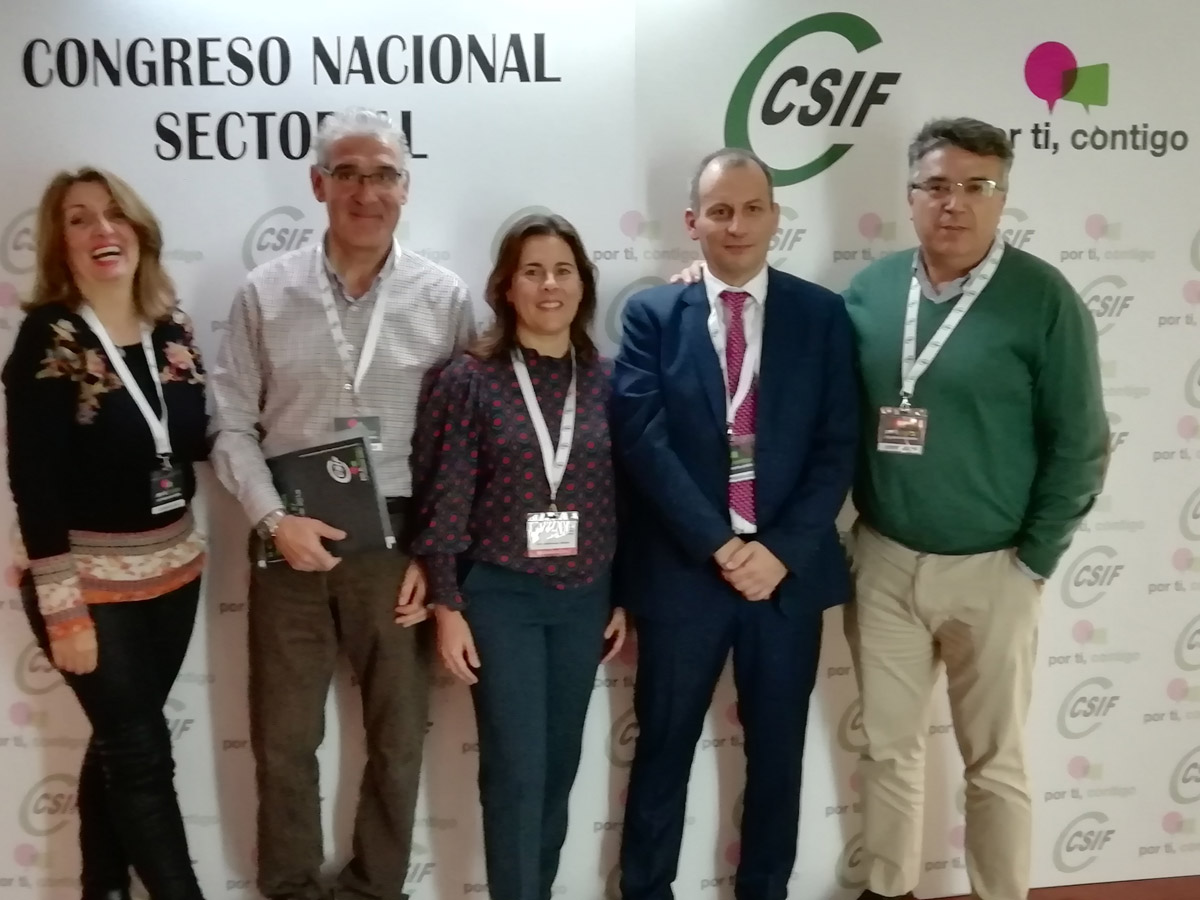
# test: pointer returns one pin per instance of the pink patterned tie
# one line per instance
(741, 494)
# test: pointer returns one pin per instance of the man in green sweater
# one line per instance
(984, 445)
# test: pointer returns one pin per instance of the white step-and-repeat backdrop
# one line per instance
(598, 110)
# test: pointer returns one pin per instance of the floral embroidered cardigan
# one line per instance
(80, 459)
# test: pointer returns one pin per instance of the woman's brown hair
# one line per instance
(153, 292)
(501, 338)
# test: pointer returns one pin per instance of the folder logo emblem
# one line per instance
(338, 470)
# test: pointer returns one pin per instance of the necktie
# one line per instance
(741, 493)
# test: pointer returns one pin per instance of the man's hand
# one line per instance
(690, 275)
(410, 601)
(299, 540)
(754, 571)
(726, 550)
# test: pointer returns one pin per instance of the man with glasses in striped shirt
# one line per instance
(343, 330)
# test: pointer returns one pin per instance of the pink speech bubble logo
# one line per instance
(1172, 823)
(1083, 631)
(1177, 689)
(856, 783)
(1050, 71)
(628, 652)
(1191, 292)
(731, 713)
(870, 226)
(20, 714)
(733, 853)
(958, 837)
(632, 223)
(1079, 767)
(9, 298)
(1182, 559)
(1188, 427)
(25, 854)
(1096, 226)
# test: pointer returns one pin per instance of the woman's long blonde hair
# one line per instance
(153, 291)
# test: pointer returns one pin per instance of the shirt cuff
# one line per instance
(442, 571)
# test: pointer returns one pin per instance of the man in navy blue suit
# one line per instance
(735, 421)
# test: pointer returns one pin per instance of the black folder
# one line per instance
(336, 483)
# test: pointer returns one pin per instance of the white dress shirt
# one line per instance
(718, 327)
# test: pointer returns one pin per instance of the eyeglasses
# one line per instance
(974, 189)
(345, 176)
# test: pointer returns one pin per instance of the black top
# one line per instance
(477, 471)
(80, 455)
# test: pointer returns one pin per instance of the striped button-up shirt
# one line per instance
(279, 382)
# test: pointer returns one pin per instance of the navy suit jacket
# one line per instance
(670, 443)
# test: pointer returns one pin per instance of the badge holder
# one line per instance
(166, 487)
(902, 429)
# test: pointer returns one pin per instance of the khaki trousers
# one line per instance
(978, 615)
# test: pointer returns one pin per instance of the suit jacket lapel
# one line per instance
(700, 350)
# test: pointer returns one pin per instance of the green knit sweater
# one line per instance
(1017, 440)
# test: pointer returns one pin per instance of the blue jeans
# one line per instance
(539, 649)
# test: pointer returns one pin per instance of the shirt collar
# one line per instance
(389, 266)
(955, 287)
(756, 287)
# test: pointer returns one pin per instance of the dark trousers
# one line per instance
(128, 809)
(539, 649)
(298, 620)
(679, 664)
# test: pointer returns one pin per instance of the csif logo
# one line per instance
(35, 675)
(48, 805)
(1106, 298)
(1018, 234)
(1089, 577)
(178, 722)
(786, 236)
(1191, 386)
(622, 740)
(1081, 842)
(18, 247)
(850, 729)
(275, 232)
(800, 97)
(1085, 707)
(852, 869)
(1189, 517)
(612, 318)
(512, 220)
(1052, 74)
(1187, 648)
(1116, 437)
(1185, 779)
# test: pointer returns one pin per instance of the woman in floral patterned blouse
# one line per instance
(103, 496)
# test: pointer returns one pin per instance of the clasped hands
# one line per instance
(752, 569)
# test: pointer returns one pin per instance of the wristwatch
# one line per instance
(269, 524)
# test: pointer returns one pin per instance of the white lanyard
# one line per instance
(912, 366)
(356, 374)
(158, 426)
(554, 462)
